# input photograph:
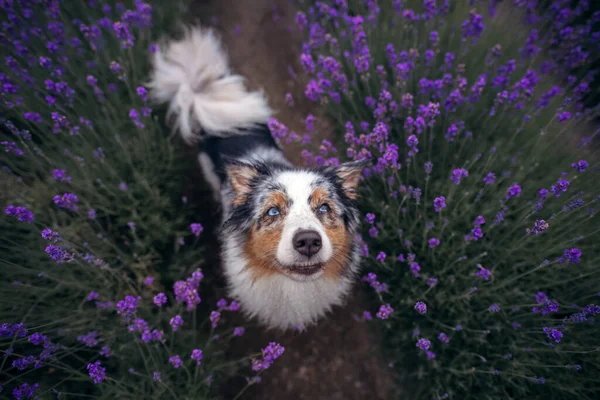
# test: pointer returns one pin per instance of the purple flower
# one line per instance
(37, 338)
(423, 344)
(176, 322)
(580, 165)
(67, 200)
(92, 296)
(22, 213)
(175, 361)
(234, 306)
(433, 243)
(548, 306)
(421, 307)
(572, 256)
(11, 147)
(289, 100)
(149, 281)
(561, 186)
(541, 297)
(415, 268)
(115, 68)
(156, 376)
(385, 311)
(442, 337)
(90, 339)
(269, 354)
(123, 33)
(196, 229)
(538, 227)
(428, 167)
(33, 117)
(22, 363)
(483, 273)
(10, 330)
(563, 116)
(489, 178)
(439, 203)
(301, 20)
(473, 27)
(238, 331)
(57, 253)
(370, 218)
(105, 351)
(142, 92)
(494, 308)
(215, 316)
(91, 213)
(135, 117)
(196, 356)
(407, 100)
(553, 334)
(91, 80)
(25, 391)
(431, 282)
(61, 175)
(412, 143)
(138, 325)
(127, 307)
(160, 299)
(187, 291)
(51, 236)
(380, 257)
(513, 191)
(458, 174)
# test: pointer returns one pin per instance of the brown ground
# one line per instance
(339, 358)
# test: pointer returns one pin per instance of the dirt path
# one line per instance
(339, 358)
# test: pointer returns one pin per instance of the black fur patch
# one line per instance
(222, 149)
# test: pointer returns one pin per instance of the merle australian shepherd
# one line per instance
(288, 238)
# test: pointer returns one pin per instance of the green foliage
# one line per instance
(490, 357)
(130, 177)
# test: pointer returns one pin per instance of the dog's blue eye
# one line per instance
(272, 212)
(324, 208)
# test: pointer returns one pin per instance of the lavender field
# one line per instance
(480, 256)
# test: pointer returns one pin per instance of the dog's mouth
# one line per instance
(305, 269)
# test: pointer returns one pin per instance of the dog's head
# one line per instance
(297, 223)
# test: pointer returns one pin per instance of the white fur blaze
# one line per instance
(193, 76)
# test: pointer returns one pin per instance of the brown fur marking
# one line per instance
(261, 246)
(340, 241)
(336, 232)
(240, 177)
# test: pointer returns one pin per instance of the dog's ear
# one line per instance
(240, 176)
(349, 173)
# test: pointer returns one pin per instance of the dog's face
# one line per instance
(296, 223)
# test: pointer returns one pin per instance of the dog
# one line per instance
(290, 250)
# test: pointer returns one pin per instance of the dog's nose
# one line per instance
(307, 243)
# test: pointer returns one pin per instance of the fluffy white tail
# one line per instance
(193, 76)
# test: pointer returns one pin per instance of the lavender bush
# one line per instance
(101, 257)
(481, 209)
